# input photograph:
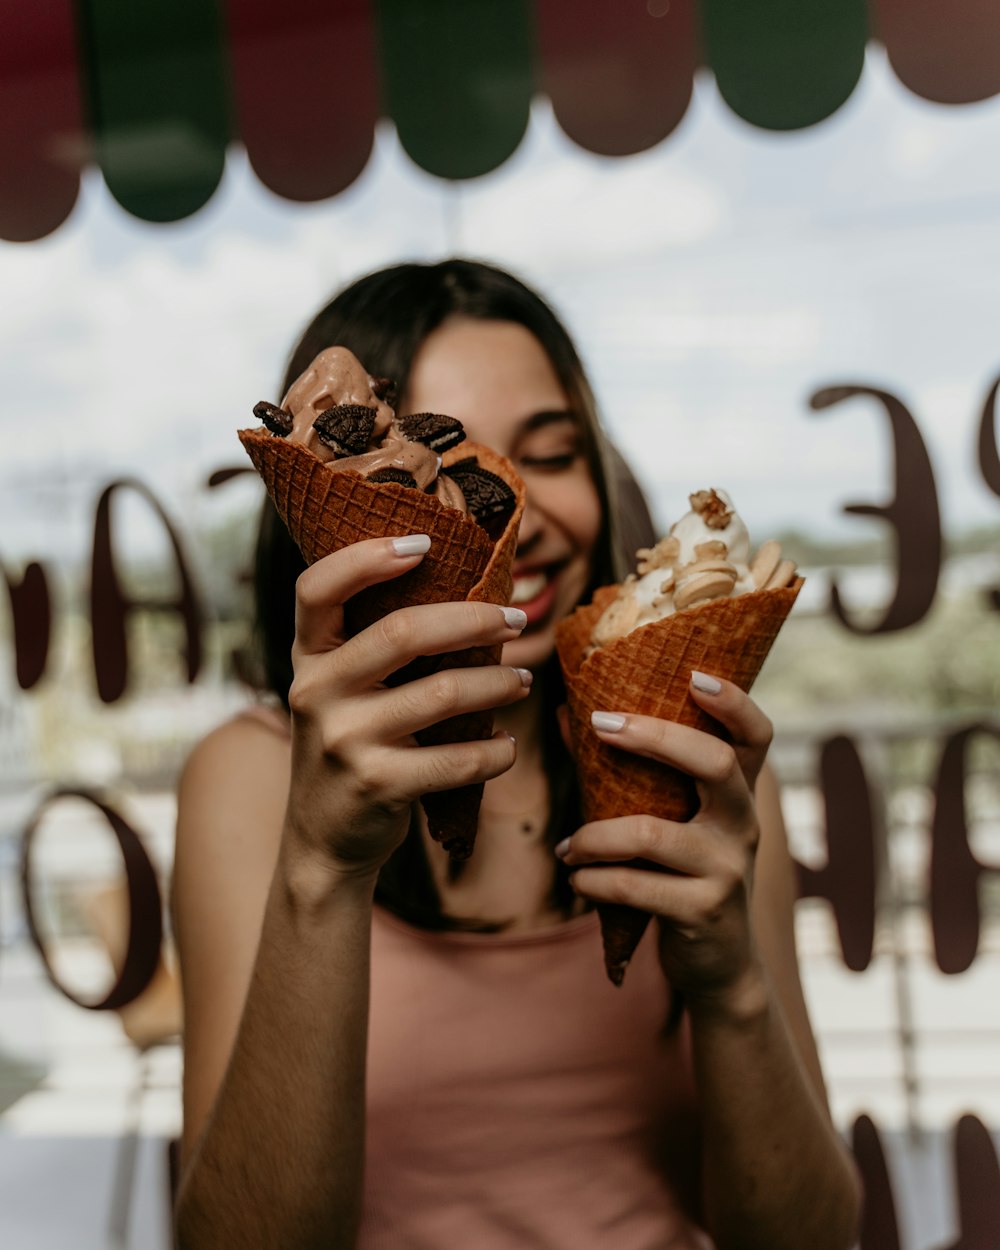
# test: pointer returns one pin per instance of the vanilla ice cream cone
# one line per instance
(326, 511)
(648, 671)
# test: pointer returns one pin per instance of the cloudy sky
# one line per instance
(713, 284)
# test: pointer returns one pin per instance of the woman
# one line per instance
(514, 1098)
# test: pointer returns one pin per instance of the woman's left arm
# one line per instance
(775, 1173)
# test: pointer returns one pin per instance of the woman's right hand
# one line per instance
(356, 767)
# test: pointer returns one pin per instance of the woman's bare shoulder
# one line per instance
(234, 783)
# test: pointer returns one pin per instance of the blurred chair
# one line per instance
(153, 1019)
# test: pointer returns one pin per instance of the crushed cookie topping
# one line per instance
(385, 390)
(276, 419)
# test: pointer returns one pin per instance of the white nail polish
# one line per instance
(562, 848)
(525, 675)
(704, 683)
(412, 545)
(608, 722)
(515, 618)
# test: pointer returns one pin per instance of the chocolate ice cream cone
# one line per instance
(648, 671)
(325, 511)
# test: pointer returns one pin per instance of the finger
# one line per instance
(325, 586)
(679, 898)
(750, 730)
(681, 848)
(401, 711)
(459, 763)
(712, 762)
(424, 629)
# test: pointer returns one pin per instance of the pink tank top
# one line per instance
(516, 1099)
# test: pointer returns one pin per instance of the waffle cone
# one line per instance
(648, 671)
(325, 511)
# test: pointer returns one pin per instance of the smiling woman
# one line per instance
(384, 1047)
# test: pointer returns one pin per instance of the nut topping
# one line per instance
(712, 510)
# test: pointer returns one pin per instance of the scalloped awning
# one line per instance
(154, 91)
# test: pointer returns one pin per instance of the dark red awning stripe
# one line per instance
(305, 91)
(785, 64)
(458, 81)
(619, 75)
(41, 131)
(155, 78)
(948, 53)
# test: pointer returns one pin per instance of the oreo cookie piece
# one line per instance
(433, 430)
(346, 429)
(389, 474)
(277, 420)
(488, 497)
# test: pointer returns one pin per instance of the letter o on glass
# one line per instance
(145, 915)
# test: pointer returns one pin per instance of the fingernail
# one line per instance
(412, 545)
(607, 722)
(515, 618)
(704, 683)
(525, 675)
(562, 849)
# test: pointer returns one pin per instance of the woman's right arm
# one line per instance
(274, 933)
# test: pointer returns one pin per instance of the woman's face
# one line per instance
(497, 379)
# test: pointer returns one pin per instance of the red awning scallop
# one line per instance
(948, 53)
(160, 88)
(304, 79)
(619, 75)
(41, 127)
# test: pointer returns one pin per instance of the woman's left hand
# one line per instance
(701, 891)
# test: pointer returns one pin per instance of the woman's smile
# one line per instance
(535, 591)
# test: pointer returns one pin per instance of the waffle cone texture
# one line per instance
(648, 672)
(326, 510)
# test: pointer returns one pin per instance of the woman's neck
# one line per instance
(509, 877)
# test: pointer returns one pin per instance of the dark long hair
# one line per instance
(383, 319)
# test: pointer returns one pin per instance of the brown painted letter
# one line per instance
(848, 879)
(110, 606)
(913, 513)
(955, 871)
(31, 610)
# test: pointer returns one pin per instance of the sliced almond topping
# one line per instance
(708, 566)
(702, 588)
(782, 576)
(764, 563)
(712, 550)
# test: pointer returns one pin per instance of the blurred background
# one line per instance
(774, 230)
